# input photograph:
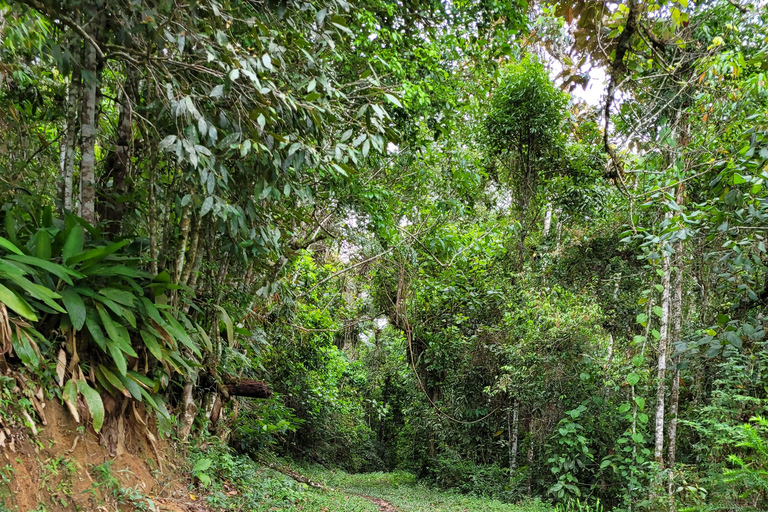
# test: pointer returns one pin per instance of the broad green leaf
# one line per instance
(202, 465)
(43, 244)
(75, 307)
(73, 244)
(92, 323)
(94, 403)
(228, 323)
(10, 246)
(114, 380)
(39, 292)
(16, 303)
(117, 356)
(124, 297)
(116, 332)
(59, 271)
(178, 332)
(69, 395)
(633, 379)
(131, 385)
(393, 100)
(98, 254)
(150, 341)
(142, 380)
(658, 311)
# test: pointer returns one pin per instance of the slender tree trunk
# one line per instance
(513, 417)
(88, 129)
(189, 409)
(152, 215)
(677, 330)
(194, 242)
(661, 387)
(67, 144)
(184, 225)
(547, 221)
(121, 168)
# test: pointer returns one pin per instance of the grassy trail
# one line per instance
(399, 492)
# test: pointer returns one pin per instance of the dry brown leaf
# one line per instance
(61, 366)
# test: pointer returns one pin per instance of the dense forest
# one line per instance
(515, 251)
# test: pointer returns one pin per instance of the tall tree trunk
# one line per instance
(121, 165)
(184, 226)
(194, 246)
(152, 205)
(677, 329)
(547, 221)
(513, 420)
(661, 387)
(88, 130)
(67, 144)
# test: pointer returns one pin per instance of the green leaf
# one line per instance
(640, 401)
(59, 271)
(94, 403)
(633, 379)
(73, 244)
(75, 307)
(228, 323)
(124, 297)
(202, 465)
(92, 323)
(43, 244)
(658, 311)
(733, 338)
(150, 341)
(117, 356)
(177, 331)
(97, 254)
(642, 318)
(69, 395)
(132, 386)
(8, 245)
(393, 100)
(116, 332)
(142, 380)
(39, 292)
(114, 380)
(638, 360)
(16, 303)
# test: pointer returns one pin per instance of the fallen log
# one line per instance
(249, 388)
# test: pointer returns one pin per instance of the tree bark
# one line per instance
(189, 409)
(513, 420)
(184, 226)
(547, 221)
(67, 144)
(88, 129)
(677, 329)
(249, 388)
(661, 387)
(120, 168)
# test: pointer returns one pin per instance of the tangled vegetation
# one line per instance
(449, 267)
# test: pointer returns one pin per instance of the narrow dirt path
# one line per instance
(384, 506)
